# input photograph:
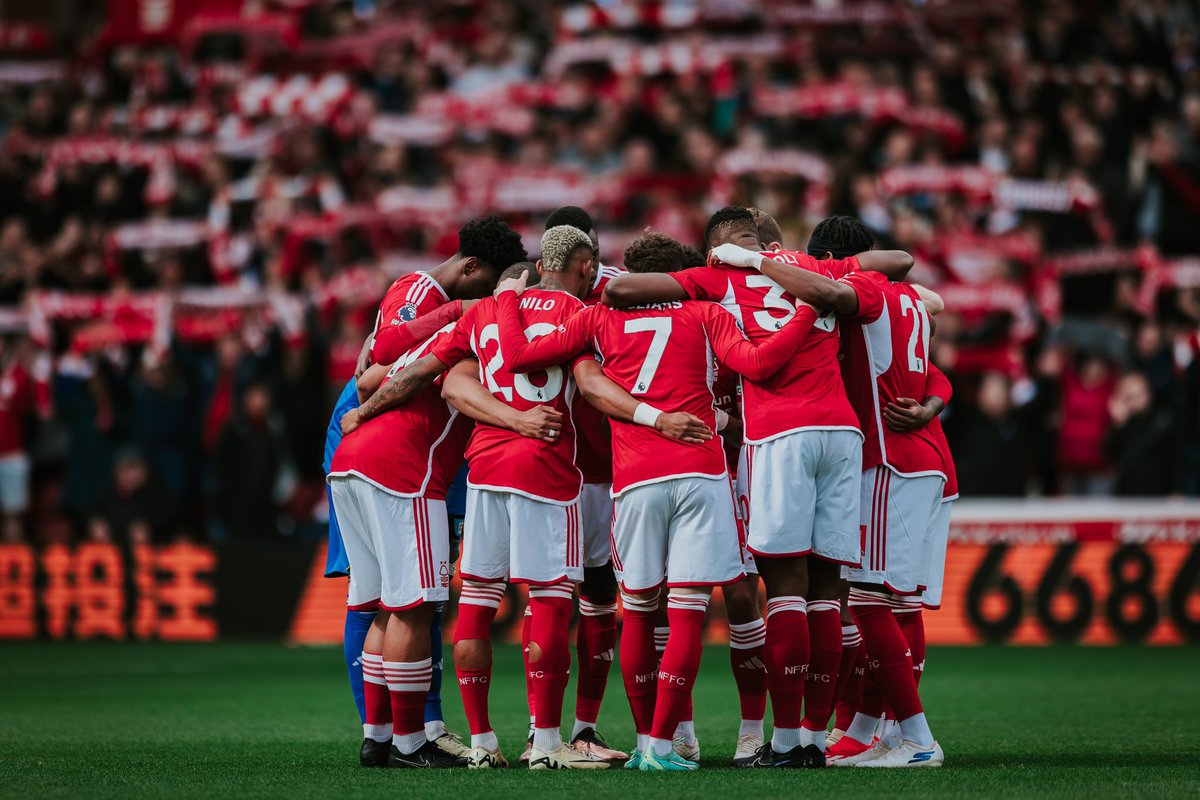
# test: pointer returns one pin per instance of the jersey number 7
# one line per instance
(661, 328)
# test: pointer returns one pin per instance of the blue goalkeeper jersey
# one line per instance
(336, 563)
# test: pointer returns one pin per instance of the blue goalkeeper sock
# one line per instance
(433, 701)
(355, 633)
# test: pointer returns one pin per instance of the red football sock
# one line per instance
(375, 694)
(825, 633)
(746, 656)
(595, 639)
(408, 685)
(680, 662)
(476, 609)
(787, 652)
(887, 651)
(638, 658)
(526, 634)
(551, 631)
(912, 625)
(850, 674)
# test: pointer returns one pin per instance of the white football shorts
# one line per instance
(511, 537)
(897, 518)
(935, 563)
(741, 502)
(804, 490)
(596, 512)
(398, 547)
(681, 531)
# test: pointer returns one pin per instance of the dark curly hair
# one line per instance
(768, 227)
(657, 252)
(726, 219)
(574, 216)
(492, 242)
(842, 236)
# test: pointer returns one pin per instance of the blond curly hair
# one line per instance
(559, 243)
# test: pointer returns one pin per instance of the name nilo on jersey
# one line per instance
(537, 303)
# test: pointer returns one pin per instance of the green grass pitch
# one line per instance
(258, 720)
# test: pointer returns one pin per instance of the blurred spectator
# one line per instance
(137, 509)
(1085, 418)
(993, 443)
(1143, 443)
(16, 407)
(247, 463)
(158, 420)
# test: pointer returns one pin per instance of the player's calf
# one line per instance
(747, 640)
(596, 639)
(377, 727)
(891, 662)
(477, 607)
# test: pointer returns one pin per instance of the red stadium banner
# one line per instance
(98, 590)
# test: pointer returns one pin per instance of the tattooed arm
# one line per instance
(396, 390)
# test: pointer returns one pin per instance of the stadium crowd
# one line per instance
(196, 232)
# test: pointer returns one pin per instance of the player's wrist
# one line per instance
(646, 414)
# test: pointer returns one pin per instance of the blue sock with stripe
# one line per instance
(433, 701)
(353, 636)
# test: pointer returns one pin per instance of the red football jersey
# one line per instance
(594, 454)
(662, 354)
(409, 297)
(807, 393)
(726, 392)
(604, 274)
(885, 357)
(499, 458)
(939, 385)
(413, 450)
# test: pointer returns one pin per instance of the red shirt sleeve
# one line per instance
(698, 283)
(456, 346)
(868, 286)
(396, 340)
(522, 355)
(755, 361)
(938, 385)
(840, 268)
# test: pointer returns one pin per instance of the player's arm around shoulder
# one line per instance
(756, 361)
(462, 389)
(628, 289)
(803, 284)
(611, 400)
(398, 389)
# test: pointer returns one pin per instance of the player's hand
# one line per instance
(540, 422)
(684, 427)
(516, 285)
(737, 256)
(364, 360)
(906, 414)
(351, 421)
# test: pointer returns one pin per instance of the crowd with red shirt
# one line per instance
(199, 220)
